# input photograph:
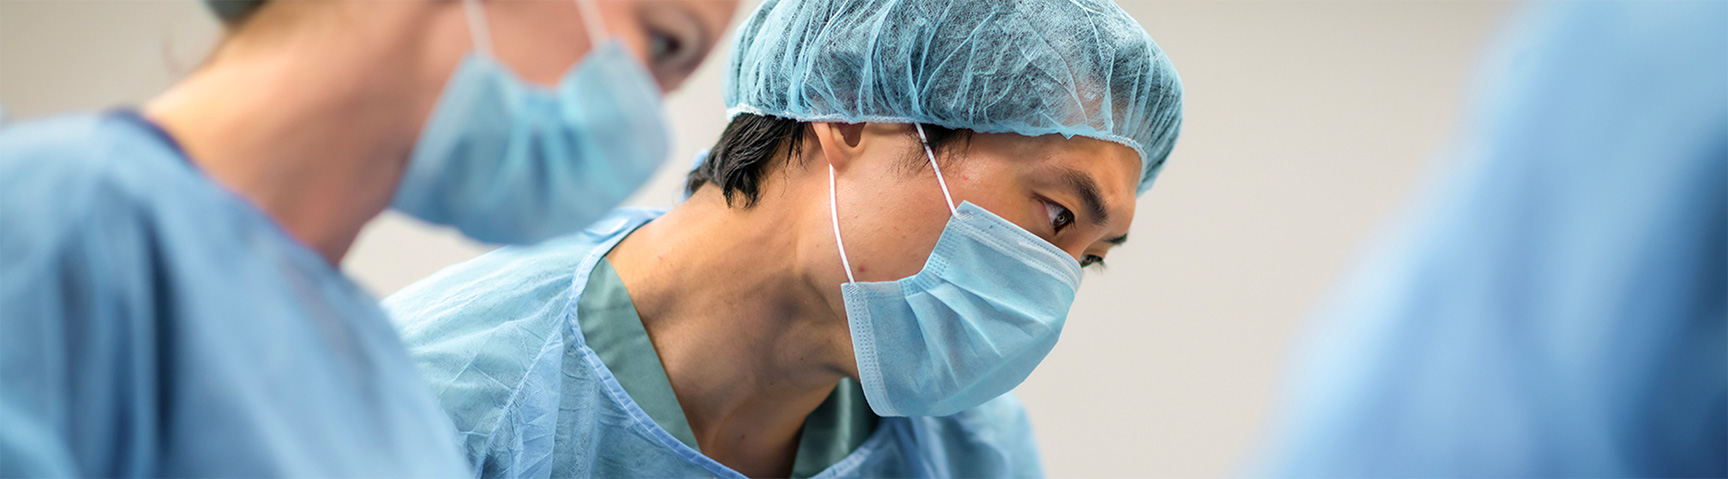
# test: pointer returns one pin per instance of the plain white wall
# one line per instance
(1307, 123)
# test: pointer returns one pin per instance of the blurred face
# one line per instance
(1077, 193)
(541, 40)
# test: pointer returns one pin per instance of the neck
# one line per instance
(748, 342)
(313, 126)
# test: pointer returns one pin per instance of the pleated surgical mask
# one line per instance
(986, 308)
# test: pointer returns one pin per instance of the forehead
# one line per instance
(1115, 167)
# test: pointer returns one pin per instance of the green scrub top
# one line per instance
(613, 329)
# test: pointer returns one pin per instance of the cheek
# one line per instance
(889, 236)
(1002, 192)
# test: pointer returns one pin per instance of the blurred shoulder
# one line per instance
(78, 175)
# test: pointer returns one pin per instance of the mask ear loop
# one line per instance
(932, 155)
(591, 21)
(834, 215)
(477, 27)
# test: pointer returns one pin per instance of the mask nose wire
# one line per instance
(477, 27)
(932, 155)
(834, 216)
(591, 21)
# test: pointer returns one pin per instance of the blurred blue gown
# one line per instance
(154, 324)
(499, 340)
(1559, 307)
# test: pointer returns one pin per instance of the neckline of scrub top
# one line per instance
(155, 129)
(613, 329)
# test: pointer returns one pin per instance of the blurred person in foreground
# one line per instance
(170, 301)
(1558, 307)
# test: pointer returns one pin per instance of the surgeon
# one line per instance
(1558, 307)
(170, 301)
(884, 241)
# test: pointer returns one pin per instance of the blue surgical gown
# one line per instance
(1559, 305)
(498, 338)
(154, 324)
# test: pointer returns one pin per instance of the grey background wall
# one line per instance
(1308, 122)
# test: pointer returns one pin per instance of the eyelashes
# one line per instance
(1061, 218)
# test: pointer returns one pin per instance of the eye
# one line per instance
(663, 47)
(1093, 260)
(1060, 216)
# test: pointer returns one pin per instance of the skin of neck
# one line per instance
(749, 341)
(310, 113)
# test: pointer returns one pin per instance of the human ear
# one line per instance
(840, 142)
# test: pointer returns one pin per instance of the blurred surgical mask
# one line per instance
(508, 162)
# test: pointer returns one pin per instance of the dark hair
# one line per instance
(745, 154)
(233, 12)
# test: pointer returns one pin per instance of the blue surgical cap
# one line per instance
(1032, 67)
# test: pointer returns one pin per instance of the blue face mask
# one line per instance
(985, 310)
(507, 162)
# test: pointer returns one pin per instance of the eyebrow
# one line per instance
(1083, 186)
